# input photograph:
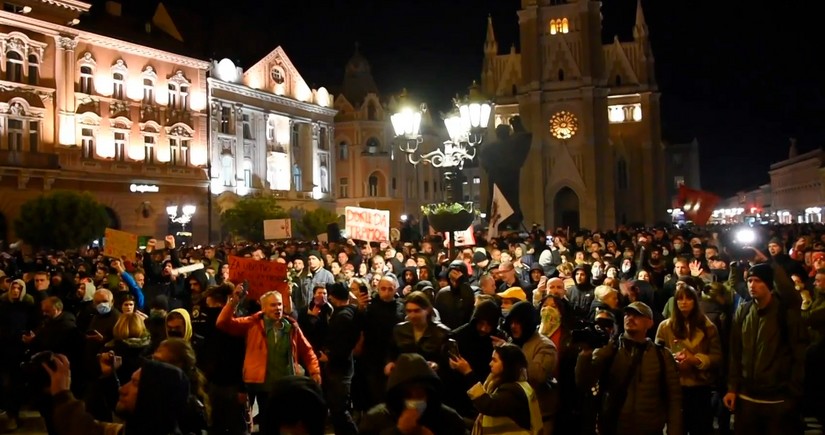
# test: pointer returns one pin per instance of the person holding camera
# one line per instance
(637, 381)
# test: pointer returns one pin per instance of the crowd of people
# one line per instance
(631, 331)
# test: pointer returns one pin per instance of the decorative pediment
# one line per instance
(121, 123)
(149, 73)
(179, 79)
(618, 65)
(560, 57)
(120, 67)
(279, 70)
(22, 44)
(180, 130)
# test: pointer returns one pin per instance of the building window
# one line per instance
(277, 75)
(173, 95)
(226, 117)
(148, 91)
(323, 140)
(476, 180)
(559, 26)
(343, 151)
(247, 174)
(679, 181)
(270, 131)
(87, 142)
(15, 135)
(618, 80)
(174, 152)
(184, 152)
(34, 136)
(228, 164)
(149, 149)
(184, 97)
(117, 86)
(343, 187)
(247, 127)
(14, 8)
(178, 91)
(621, 174)
(14, 66)
(372, 188)
(323, 174)
(86, 77)
(295, 135)
(297, 180)
(373, 146)
(34, 70)
(120, 146)
(561, 75)
(393, 184)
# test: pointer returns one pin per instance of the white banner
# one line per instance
(275, 229)
(367, 224)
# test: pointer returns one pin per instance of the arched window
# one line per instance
(621, 174)
(372, 187)
(247, 174)
(34, 70)
(514, 89)
(373, 146)
(14, 66)
(561, 75)
(618, 80)
(552, 27)
(117, 86)
(371, 115)
(297, 180)
(565, 26)
(86, 77)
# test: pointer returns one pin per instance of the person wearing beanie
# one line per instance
(768, 344)
(455, 301)
(149, 403)
(481, 263)
(337, 357)
(314, 277)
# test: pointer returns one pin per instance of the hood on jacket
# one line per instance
(187, 321)
(402, 276)
(163, 393)
(412, 369)
(487, 311)
(202, 278)
(527, 316)
(22, 285)
(295, 399)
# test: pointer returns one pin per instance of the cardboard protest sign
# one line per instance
(119, 244)
(263, 276)
(367, 224)
(275, 229)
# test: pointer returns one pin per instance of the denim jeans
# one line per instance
(338, 383)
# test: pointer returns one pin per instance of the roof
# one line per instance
(358, 80)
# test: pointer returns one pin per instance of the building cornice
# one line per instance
(60, 32)
(72, 5)
(267, 97)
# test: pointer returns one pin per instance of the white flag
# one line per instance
(499, 211)
(275, 229)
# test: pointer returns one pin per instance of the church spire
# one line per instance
(490, 44)
(640, 29)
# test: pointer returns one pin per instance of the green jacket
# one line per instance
(814, 317)
(765, 363)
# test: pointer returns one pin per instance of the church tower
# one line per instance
(594, 114)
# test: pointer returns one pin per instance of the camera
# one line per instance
(36, 375)
(594, 334)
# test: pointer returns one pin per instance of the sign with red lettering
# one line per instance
(263, 276)
(368, 224)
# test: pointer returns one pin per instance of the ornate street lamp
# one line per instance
(466, 126)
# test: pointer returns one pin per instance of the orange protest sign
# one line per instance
(118, 244)
(263, 276)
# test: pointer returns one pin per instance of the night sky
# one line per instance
(740, 78)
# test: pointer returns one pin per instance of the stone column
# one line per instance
(64, 94)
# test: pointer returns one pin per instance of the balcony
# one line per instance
(23, 159)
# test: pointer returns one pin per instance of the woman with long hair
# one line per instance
(420, 334)
(694, 342)
(506, 403)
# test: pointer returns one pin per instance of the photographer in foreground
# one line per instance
(637, 381)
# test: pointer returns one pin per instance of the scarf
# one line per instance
(550, 321)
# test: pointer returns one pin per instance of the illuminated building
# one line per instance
(83, 111)
(607, 170)
(371, 171)
(270, 134)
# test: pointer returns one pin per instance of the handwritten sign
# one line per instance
(118, 244)
(368, 224)
(263, 276)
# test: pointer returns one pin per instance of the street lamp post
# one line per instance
(466, 126)
(187, 211)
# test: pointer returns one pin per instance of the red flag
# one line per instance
(697, 204)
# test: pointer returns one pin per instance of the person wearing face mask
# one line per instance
(413, 403)
(627, 270)
(100, 330)
(179, 325)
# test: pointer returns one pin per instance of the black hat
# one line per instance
(338, 291)
(480, 256)
(315, 254)
(764, 272)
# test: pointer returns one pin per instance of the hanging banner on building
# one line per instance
(463, 238)
(119, 244)
(263, 276)
(367, 224)
(275, 229)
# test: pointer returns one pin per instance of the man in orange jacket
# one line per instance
(275, 346)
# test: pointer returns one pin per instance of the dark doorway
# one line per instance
(4, 232)
(566, 207)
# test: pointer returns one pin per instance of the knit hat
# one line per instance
(338, 291)
(479, 256)
(764, 272)
(315, 254)
(775, 241)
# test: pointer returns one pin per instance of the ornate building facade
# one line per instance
(270, 134)
(83, 111)
(593, 109)
(371, 171)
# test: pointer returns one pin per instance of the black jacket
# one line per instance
(455, 304)
(344, 332)
(379, 321)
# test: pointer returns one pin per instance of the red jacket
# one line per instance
(254, 363)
